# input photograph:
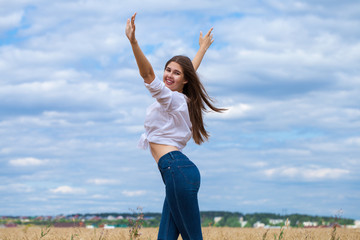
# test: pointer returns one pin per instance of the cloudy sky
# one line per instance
(72, 105)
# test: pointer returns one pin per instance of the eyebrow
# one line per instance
(175, 70)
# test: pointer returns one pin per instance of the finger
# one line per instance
(201, 35)
(209, 32)
(133, 19)
(128, 24)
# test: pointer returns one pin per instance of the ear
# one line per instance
(185, 81)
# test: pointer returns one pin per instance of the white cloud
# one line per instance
(232, 112)
(306, 173)
(135, 128)
(103, 181)
(68, 190)
(289, 152)
(26, 162)
(254, 202)
(17, 188)
(10, 20)
(99, 196)
(5, 150)
(70, 90)
(257, 164)
(135, 193)
(288, 5)
(355, 141)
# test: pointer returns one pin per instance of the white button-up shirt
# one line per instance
(167, 119)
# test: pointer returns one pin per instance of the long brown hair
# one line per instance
(198, 98)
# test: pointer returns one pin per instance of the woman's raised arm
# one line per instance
(204, 43)
(145, 68)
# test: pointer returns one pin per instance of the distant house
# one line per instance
(95, 218)
(24, 219)
(109, 226)
(59, 217)
(310, 224)
(357, 224)
(10, 225)
(335, 225)
(242, 222)
(217, 219)
(276, 221)
(69, 224)
(131, 218)
(258, 225)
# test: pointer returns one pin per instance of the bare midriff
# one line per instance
(159, 150)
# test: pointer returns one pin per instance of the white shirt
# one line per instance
(167, 119)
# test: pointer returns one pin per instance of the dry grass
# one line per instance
(210, 233)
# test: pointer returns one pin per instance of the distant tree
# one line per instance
(206, 222)
(248, 225)
(220, 223)
(232, 222)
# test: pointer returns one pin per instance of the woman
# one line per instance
(170, 122)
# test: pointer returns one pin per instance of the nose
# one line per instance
(171, 74)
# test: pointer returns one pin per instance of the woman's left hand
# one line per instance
(207, 40)
(130, 29)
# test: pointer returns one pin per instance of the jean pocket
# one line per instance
(191, 174)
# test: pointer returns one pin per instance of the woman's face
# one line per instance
(174, 77)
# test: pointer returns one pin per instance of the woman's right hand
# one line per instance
(207, 40)
(204, 42)
(130, 29)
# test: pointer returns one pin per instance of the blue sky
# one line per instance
(72, 105)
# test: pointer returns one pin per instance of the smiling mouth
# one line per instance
(169, 82)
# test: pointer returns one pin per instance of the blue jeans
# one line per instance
(180, 213)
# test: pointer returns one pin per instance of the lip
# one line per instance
(169, 81)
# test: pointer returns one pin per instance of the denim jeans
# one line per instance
(180, 213)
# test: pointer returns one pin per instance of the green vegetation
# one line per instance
(45, 231)
(224, 219)
(135, 225)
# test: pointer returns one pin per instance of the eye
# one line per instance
(168, 69)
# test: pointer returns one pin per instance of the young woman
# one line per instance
(170, 122)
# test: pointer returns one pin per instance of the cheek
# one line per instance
(180, 80)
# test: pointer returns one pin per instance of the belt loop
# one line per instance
(171, 155)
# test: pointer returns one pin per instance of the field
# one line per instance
(210, 233)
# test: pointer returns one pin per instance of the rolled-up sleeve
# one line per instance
(162, 94)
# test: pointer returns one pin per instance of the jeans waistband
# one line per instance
(171, 156)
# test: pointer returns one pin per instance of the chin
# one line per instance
(169, 87)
